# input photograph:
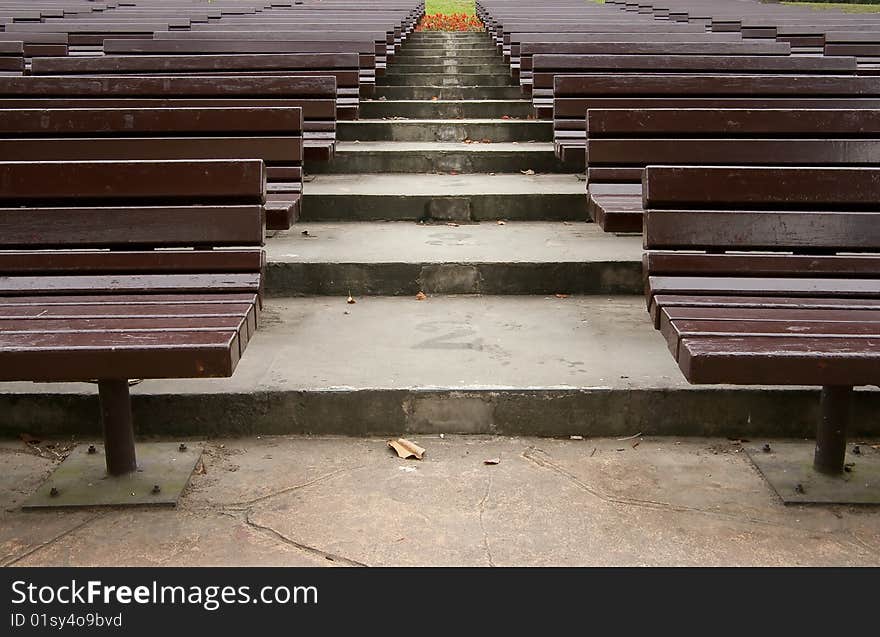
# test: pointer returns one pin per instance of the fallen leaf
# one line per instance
(505, 117)
(452, 172)
(406, 449)
(492, 461)
(528, 172)
(501, 223)
(485, 140)
(468, 140)
(575, 437)
(566, 223)
(435, 98)
(350, 300)
(421, 296)
(562, 296)
(452, 224)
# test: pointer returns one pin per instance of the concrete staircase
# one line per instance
(534, 321)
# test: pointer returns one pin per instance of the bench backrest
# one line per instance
(621, 142)
(314, 95)
(712, 230)
(87, 228)
(273, 135)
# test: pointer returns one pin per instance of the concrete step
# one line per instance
(447, 79)
(406, 59)
(461, 198)
(446, 109)
(454, 130)
(539, 365)
(441, 157)
(403, 258)
(482, 45)
(449, 92)
(449, 67)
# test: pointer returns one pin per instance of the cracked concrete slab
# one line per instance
(351, 502)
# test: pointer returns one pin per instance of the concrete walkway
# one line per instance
(344, 501)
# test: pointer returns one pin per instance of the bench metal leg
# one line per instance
(831, 435)
(118, 426)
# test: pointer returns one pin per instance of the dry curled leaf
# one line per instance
(435, 98)
(406, 448)
(492, 461)
(505, 117)
(562, 296)
(421, 296)
(485, 140)
(452, 224)
(350, 299)
(528, 172)
(501, 223)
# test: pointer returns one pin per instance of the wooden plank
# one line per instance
(119, 227)
(166, 181)
(672, 186)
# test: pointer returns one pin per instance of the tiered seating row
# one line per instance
(750, 159)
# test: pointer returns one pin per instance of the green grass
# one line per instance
(842, 6)
(449, 6)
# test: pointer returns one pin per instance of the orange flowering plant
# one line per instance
(450, 22)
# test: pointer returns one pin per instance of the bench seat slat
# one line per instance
(781, 360)
(134, 226)
(129, 284)
(150, 354)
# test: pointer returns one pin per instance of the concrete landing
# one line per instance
(350, 502)
(537, 365)
(502, 196)
(488, 258)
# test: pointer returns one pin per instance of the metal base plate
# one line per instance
(790, 464)
(82, 480)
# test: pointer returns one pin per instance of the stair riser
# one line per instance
(446, 79)
(704, 411)
(448, 68)
(449, 92)
(405, 279)
(446, 110)
(415, 60)
(462, 162)
(464, 208)
(402, 131)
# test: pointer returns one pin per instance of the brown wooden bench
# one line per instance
(621, 142)
(575, 94)
(343, 66)
(769, 275)
(11, 58)
(272, 134)
(521, 57)
(314, 95)
(84, 296)
(547, 67)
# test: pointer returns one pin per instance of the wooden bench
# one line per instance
(547, 67)
(521, 57)
(575, 94)
(621, 142)
(37, 44)
(84, 296)
(272, 134)
(343, 66)
(11, 58)
(314, 95)
(769, 275)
